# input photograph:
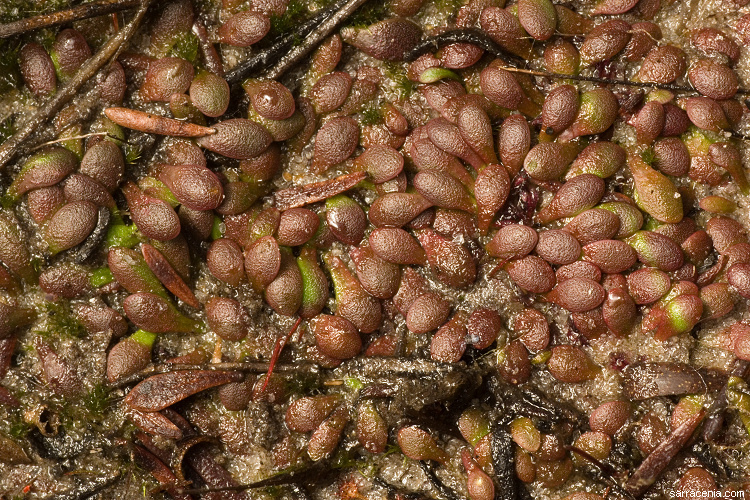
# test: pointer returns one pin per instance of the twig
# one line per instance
(63, 139)
(248, 367)
(480, 39)
(315, 37)
(84, 11)
(9, 148)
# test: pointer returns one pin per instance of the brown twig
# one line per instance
(10, 148)
(84, 11)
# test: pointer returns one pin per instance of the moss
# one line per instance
(7, 128)
(370, 13)
(133, 153)
(60, 322)
(401, 83)
(10, 73)
(186, 46)
(286, 23)
(371, 115)
(648, 156)
(97, 401)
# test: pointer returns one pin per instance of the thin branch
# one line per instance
(258, 367)
(9, 148)
(84, 11)
(483, 41)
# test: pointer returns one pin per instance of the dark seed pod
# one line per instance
(453, 224)
(613, 7)
(44, 202)
(270, 99)
(662, 65)
(336, 337)
(706, 113)
(397, 246)
(411, 287)
(193, 185)
(717, 205)
(397, 209)
(244, 28)
(210, 94)
(265, 224)
(578, 194)
(589, 324)
(69, 52)
(611, 256)
(532, 328)
(649, 122)
(712, 41)
(558, 247)
(314, 283)
(65, 280)
(155, 218)
(538, 18)
(79, 187)
(306, 414)
(657, 250)
(491, 190)
(387, 40)
(105, 163)
(372, 431)
(501, 87)
(594, 225)
(262, 262)
(476, 129)
(447, 137)
(14, 252)
(655, 193)
(514, 142)
(697, 247)
(224, 259)
(727, 156)
(725, 233)
(113, 84)
(532, 274)
(609, 417)
(46, 168)
(516, 366)
(548, 161)
(513, 241)
(449, 342)
(130, 355)
(154, 314)
(577, 294)
(717, 300)
(739, 277)
(352, 301)
(297, 226)
(644, 39)
(505, 29)
(713, 80)
(265, 166)
(631, 219)
(601, 158)
(427, 156)
(560, 108)
(619, 312)
(330, 91)
(235, 396)
(70, 225)
(443, 190)
(379, 278)
(56, 371)
(419, 445)
(571, 364)
(451, 262)
(284, 293)
(605, 41)
(238, 197)
(237, 138)
(427, 313)
(562, 57)
(227, 318)
(483, 328)
(334, 143)
(346, 219)
(580, 269)
(676, 121)
(672, 156)
(648, 285)
(382, 163)
(167, 76)
(596, 113)
(37, 69)
(648, 380)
